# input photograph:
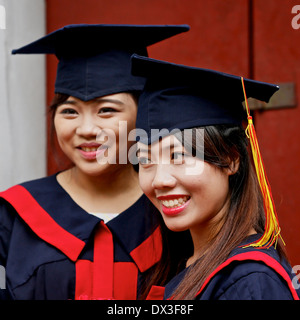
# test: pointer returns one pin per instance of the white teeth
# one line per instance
(86, 149)
(175, 202)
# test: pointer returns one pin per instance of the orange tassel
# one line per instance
(272, 229)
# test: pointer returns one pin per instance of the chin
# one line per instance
(175, 226)
(94, 170)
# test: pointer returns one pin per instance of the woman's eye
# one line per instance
(107, 110)
(177, 156)
(144, 161)
(68, 111)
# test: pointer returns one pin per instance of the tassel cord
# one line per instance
(272, 229)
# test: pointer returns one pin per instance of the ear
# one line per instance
(234, 166)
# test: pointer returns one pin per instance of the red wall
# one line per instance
(252, 38)
(277, 59)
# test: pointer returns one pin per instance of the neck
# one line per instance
(115, 181)
(200, 242)
(111, 193)
(202, 235)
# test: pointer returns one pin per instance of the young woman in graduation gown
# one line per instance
(55, 241)
(219, 226)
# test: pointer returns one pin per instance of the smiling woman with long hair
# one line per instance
(221, 236)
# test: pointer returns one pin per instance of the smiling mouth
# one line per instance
(86, 149)
(176, 202)
(93, 147)
(92, 151)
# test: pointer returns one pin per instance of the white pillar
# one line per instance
(22, 94)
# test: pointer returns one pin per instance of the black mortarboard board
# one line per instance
(180, 97)
(94, 60)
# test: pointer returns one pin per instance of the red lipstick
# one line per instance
(90, 150)
(173, 211)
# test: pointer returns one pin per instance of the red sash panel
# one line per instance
(103, 279)
(148, 253)
(41, 223)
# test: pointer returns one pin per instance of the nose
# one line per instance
(163, 178)
(88, 127)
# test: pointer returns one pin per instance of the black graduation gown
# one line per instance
(247, 274)
(52, 249)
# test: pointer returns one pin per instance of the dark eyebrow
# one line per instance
(173, 146)
(97, 100)
(71, 102)
(142, 150)
(116, 101)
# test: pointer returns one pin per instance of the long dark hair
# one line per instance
(223, 145)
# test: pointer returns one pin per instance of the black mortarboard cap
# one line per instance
(181, 97)
(94, 60)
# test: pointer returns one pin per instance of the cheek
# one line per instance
(131, 126)
(125, 143)
(216, 192)
(220, 182)
(64, 131)
(210, 188)
(130, 117)
(122, 131)
(146, 179)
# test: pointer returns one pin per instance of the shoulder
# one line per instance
(252, 274)
(34, 185)
(251, 280)
(36, 188)
(10, 200)
(44, 184)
